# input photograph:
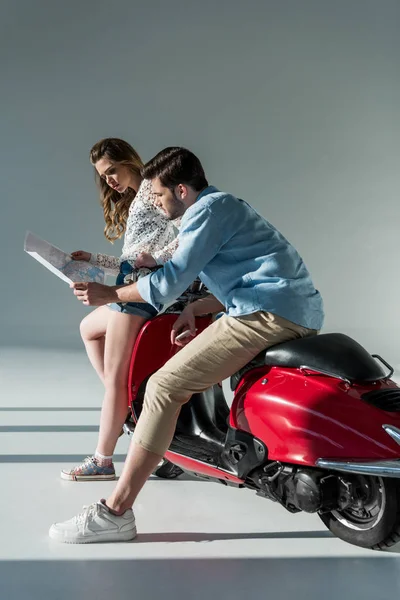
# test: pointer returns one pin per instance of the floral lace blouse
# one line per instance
(147, 230)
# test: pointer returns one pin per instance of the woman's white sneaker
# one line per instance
(96, 523)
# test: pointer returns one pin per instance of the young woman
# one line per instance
(109, 332)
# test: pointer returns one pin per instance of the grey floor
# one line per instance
(196, 539)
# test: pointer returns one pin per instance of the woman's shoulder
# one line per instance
(145, 192)
(140, 200)
(144, 206)
(145, 198)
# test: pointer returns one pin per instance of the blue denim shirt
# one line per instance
(242, 259)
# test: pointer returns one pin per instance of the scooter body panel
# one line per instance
(302, 418)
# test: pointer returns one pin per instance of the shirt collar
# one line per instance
(208, 190)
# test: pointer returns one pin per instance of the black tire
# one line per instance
(379, 527)
(167, 470)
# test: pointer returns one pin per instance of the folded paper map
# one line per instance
(60, 263)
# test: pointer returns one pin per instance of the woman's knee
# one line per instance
(85, 330)
(90, 330)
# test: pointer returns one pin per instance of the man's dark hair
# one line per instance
(174, 166)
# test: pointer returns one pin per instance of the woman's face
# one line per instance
(117, 176)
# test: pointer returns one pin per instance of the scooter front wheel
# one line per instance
(372, 519)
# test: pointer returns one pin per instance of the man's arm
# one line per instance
(98, 294)
(209, 305)
(187, 319)
(128, 293)
(202, 235)
(205, 306)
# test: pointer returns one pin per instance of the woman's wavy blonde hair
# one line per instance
(115, 205)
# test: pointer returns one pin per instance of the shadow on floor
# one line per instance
(49, 409)
(303, 579)
(51, 458)
(48, 428)
(173, 537)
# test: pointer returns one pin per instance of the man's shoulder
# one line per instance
(213, 204)
(214, 200)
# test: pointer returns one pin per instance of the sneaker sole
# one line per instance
(126, 536)
(68, 477)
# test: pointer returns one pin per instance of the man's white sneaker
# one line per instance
(96, 523)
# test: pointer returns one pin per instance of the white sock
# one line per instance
(103, 460)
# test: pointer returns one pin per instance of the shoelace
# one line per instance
(88, 459)
(87, 515)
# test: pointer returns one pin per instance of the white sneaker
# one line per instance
(95, 524)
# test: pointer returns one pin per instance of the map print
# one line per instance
(60, 263)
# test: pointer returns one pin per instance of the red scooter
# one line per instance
(314, 425)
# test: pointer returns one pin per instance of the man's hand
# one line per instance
(145, 260)
(94, 294)
(185, 321)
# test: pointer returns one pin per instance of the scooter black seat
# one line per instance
(333, 353)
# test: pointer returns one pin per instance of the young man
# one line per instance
(255, 276)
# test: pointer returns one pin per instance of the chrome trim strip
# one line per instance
(394, 432)
(304, 369)
(379, 468)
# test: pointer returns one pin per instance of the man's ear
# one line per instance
(182, 191)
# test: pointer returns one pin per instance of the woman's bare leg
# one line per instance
(122, 330)
(93, 330)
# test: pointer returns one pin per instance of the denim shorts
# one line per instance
(141, 309)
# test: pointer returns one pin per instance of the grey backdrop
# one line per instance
(291, 104)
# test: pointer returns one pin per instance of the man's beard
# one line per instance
(177, 209)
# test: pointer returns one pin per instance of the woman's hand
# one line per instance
(145, 260)
(81, 255)
(185, 322)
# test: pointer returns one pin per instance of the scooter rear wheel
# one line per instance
(373, 519)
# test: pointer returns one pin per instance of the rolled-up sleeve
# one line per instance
(200, 239)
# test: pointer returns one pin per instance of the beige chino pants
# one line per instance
(215, 354)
